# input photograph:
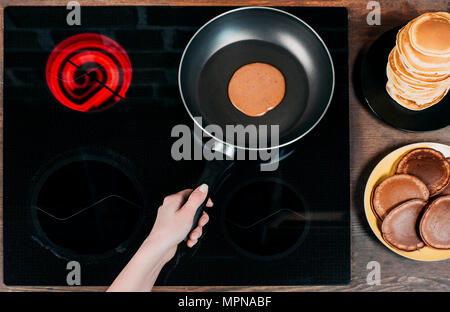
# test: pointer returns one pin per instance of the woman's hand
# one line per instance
(175, 217)
(172, 225)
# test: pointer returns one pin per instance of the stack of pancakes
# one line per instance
(413, 205)
(418, 69)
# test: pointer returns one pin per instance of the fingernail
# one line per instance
(203, 188)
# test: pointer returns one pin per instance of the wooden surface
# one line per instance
(370, 140)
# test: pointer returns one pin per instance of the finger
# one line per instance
(203, 220)
(185, 193)
(196, 233)
(209, 203)
(191, 243)
(175, 201)
(196, 198)
(183, 196)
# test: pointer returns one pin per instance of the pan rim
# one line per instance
(330, 97)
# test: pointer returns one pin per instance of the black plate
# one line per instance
(373, 83)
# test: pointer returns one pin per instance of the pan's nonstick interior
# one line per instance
(214, 103)
(257, 35)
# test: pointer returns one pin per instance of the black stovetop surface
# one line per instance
(86, 186)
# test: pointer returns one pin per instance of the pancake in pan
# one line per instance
(256, 88)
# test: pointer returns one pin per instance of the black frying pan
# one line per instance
(247, 35)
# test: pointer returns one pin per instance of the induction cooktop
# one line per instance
(87, 157)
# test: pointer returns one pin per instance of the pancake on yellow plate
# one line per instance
(435, 223)
(384, 169)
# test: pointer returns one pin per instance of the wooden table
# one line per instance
(370, 140)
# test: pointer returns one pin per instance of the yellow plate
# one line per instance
(384, 169)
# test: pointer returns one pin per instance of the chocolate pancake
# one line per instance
(399, 228)
(435, 223)
(446, 190)
(428, 165)
(396, 190)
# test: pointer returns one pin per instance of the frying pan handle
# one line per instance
(212, 173)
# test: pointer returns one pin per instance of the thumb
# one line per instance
(196, 198)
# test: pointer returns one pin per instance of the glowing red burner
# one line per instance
(88, 72)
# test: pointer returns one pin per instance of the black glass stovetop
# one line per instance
(85, 185)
